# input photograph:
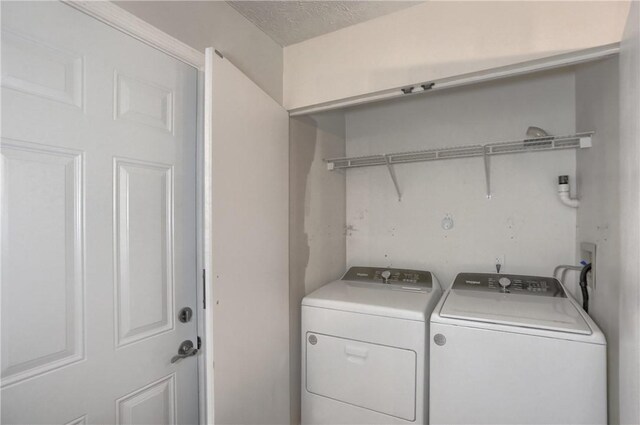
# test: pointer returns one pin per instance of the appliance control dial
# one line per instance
(504, 282)
(385, 276)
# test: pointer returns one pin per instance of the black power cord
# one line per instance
(583, 287)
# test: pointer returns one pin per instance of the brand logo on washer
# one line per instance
(439, 339)
(313, 340)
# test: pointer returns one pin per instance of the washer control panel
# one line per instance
(388, 275)
(509, 284)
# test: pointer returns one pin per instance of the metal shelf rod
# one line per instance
(547, 143)
(574, 141)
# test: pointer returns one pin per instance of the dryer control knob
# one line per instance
(504, 282)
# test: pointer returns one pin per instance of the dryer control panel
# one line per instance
(513, 284)
(388, 275)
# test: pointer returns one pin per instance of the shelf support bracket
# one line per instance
(585, 142)
(487, 169)
(392, 173)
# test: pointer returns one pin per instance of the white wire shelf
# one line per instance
(547, 143)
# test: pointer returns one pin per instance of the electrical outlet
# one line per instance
(588, 254)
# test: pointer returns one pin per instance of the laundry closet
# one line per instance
(447, 195)
(188, 201)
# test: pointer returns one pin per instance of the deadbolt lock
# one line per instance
(185, 315)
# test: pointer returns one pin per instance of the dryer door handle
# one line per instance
(356, 353)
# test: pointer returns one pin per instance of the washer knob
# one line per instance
(504, 282)
(385, 276)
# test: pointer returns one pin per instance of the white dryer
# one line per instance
(364, 348)
(508, 349)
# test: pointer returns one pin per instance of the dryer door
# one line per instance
(372, 376)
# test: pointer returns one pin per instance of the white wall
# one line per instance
(317, 221)
(630, 220)
(523, 220)
(599, 212)
(203, 24)
(440, 39)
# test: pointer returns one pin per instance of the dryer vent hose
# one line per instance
(583, 287)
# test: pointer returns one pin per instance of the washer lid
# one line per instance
(407, 295)
(526, 301)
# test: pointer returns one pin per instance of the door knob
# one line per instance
(186, 350)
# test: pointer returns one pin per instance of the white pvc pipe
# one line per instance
(563, 193)
(565, 267)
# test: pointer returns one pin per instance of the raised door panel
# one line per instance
(153, 404)
(144, 249)
(82, 420)
(36, 68)
(143, 102)
(42, 259)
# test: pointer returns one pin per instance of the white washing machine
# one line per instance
(364, 348)
(508, 349)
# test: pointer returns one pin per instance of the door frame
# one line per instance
(124, 21)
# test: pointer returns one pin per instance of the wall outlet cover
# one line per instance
(588, 254)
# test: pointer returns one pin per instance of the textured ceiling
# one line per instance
(289, 22)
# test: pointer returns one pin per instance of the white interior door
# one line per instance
(98, 223)
(250, 262)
